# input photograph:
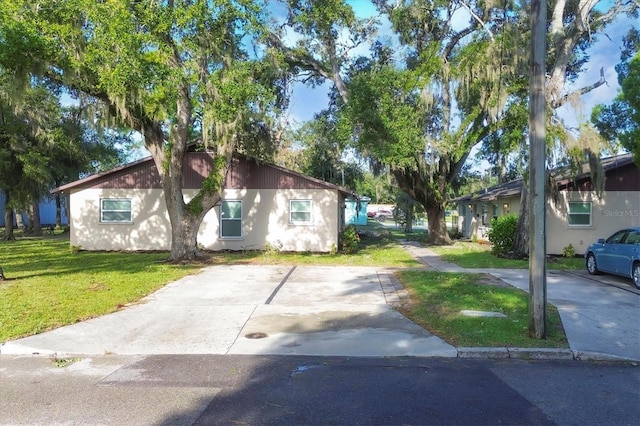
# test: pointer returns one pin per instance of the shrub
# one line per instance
(350, 240)
(503, 233)
(569, 251)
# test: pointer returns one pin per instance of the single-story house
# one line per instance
(263, 205)
(578, 215)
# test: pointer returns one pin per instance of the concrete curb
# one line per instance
(551, 354)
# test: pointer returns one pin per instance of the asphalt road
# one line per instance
(264, 390)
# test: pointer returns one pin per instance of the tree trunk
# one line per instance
(408, 224)
(58, 210)
(520, 247)
(437, 224)
(34, 228)
(187, 218)
(184, 235)
(418, 187)
(184, 223)
(8, 223)
(19, 222)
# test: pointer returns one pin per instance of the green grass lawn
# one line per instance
(48, 286)
(375, 249)
(475, 255)
(438, 299)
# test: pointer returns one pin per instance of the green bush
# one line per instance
(569, 251)
(503, 233)
(350, 240)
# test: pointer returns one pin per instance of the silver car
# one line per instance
(619, 254)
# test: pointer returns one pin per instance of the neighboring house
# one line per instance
(577, 215)
(476, 210)
(47, 212)
(356, 210)
(262, 204)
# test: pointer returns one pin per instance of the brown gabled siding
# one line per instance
(197, 166)
(244, 174)
(143, 175)
(250, 174)
(625, 178)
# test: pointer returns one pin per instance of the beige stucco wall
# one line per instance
(615, 210)
(265, 216)
(149, 230)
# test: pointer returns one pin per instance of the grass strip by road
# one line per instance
(437, 299)
(474, 255)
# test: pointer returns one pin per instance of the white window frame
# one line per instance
(589, 214)
(293, 221)
(230, 237)
(103, 210)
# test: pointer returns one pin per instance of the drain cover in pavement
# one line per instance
(258, 335)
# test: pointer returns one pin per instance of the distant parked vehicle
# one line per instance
(380, 213)
(619, 254)
(383, 214)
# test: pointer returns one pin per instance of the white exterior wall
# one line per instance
(265, 218)
(614, 211)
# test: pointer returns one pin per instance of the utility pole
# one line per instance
(537, 173)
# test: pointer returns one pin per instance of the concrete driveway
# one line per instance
(600, 314)
(304, 310)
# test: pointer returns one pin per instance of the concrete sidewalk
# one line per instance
(601, 316)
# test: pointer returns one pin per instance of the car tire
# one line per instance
(635, 274)
(592, 266)
(382, 218)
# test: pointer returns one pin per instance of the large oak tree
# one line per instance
(175, 71)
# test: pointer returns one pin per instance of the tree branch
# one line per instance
(299, 59)
(480, 21)
(579, 92)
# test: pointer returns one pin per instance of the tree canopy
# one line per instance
(177, 72)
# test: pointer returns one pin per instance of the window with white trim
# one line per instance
(579, 213)
(115, 210)
(300, 212)
(231, 219)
